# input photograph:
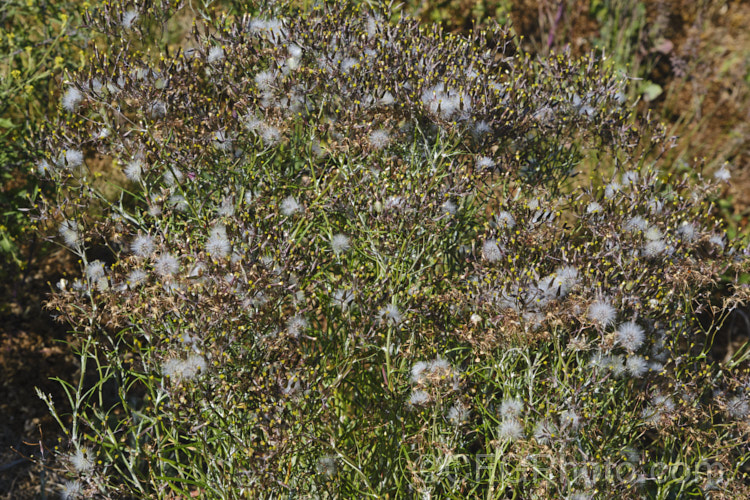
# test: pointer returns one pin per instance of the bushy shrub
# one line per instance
(347, 257)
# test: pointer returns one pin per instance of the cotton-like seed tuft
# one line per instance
(418, 371)
(594, 208)
(178, 369)
(565, 279)
(289, 206)
(636, 223)
(569, 420)
(419, 398)
(391, 314)
(94, 271)
(271, 29)
(491, 251)
(717, 241)
(457, 413)
(630, 336)
(723, 174)
(630, 177)
(481, 128)
(545, 432)
(215, 54)
(615, 364)
(342, 298)
(269, 135)
(129, 18)
(687, 231)
(449, 207)
(218, 245)
(580, 496)
(222, 141)
(445, 103)
(439, 367)
(738, 407)
(510, 429)
(511, 407)
(653, 233)
(81, 461)
(294, 50)
(178, 202)
(348, 64)
(69, 233)
(134, 170)
(654, 248)
(611, 189)
(226, 208)
(602, 313)
(340, 243)
(43, 167)
(380, 139)
(387, 99)
(166, 265)
(394, 203)
(637, 366)
(485, 163)
(296, 325)
(72, 99)
(264, 80)
(136, 277)
(73, 158)
(173, 176)
(505, 220)
(71, 490)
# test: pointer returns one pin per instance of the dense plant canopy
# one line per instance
(344, 255)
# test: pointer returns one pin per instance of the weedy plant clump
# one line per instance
(344, 255)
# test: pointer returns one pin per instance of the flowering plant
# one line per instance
(339, 255)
